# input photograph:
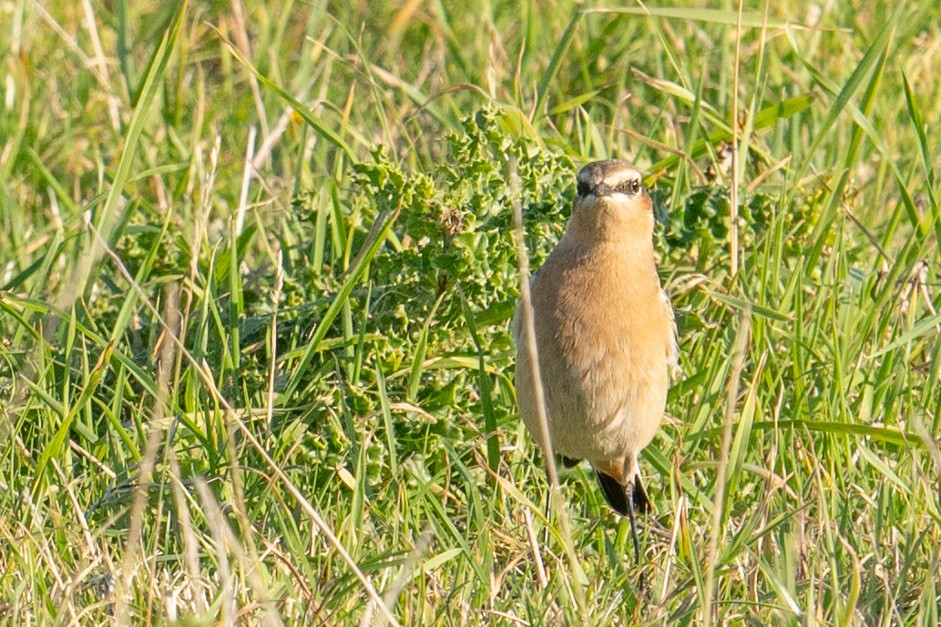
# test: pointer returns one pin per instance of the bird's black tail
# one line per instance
(617, 496)
(626, 500)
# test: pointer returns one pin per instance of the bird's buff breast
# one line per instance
(601, 339)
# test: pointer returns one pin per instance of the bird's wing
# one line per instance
(673, 346)
(517, 322)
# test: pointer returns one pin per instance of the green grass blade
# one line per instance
(374, 241)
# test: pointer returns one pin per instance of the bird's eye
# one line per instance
(629, 187)
(583, 188)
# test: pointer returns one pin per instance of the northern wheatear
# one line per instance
(605, 336)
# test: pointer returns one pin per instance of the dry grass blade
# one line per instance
(142, 486)
(528, 328)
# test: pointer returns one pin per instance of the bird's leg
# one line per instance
(629, 489)
(628, 471)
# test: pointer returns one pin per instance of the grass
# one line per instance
(257, 273)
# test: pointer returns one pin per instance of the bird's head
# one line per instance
(612, 204)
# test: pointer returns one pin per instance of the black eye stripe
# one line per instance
(629, 187)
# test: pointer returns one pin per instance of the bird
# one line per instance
(605, 335)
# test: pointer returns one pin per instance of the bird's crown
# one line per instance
(611, 176)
